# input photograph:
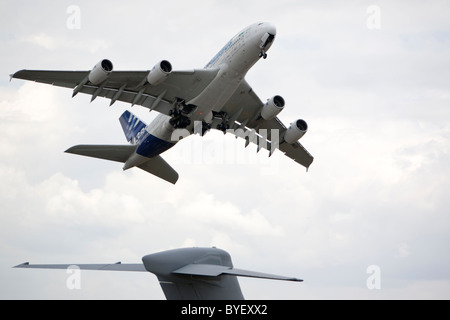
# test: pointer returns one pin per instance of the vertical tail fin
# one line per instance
(131, 126)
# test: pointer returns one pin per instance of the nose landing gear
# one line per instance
(263, 54)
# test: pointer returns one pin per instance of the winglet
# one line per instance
(13, 75)
(22, 265)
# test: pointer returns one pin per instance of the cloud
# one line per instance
(52, 43)
(376, 103)
(205, 209)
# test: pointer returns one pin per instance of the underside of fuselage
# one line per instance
(233, 62)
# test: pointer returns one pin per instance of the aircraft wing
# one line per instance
(118, 266)
(244, 109)
(129, 86)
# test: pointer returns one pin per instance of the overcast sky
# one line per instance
(371, 78)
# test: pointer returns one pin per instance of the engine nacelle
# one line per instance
(100, 72)
(296, 131)
(159, 73)
(272, 107)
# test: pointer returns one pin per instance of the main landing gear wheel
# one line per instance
(205, 127)
(224, 125)
(180, 122)
(178, 113)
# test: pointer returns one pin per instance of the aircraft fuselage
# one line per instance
(233, 62)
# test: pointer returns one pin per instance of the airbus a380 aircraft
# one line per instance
(217, 96)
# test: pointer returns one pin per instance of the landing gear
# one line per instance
(263, 54)
(180, 122)
(179, 114)
(268, 39)
(224, 125)
(205, 127)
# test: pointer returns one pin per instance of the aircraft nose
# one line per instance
(270, 28)
(267, 34)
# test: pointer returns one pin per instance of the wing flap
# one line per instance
(247, 106)
(295, 151)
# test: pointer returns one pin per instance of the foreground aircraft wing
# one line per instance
(244, 109)
(118, 266)
(128, 86)
(120, 153)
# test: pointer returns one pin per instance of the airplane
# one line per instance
(194, 101)
(184, 274)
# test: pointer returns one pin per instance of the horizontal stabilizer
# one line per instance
(160, 168)
(209, 270)
(253, 274)
(138, 267)
(121, 153)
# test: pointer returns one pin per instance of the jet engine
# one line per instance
(100, 72)
(159, 73)
(296, 131)
(272, 107)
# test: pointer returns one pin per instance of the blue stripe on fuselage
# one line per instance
(152, 146)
